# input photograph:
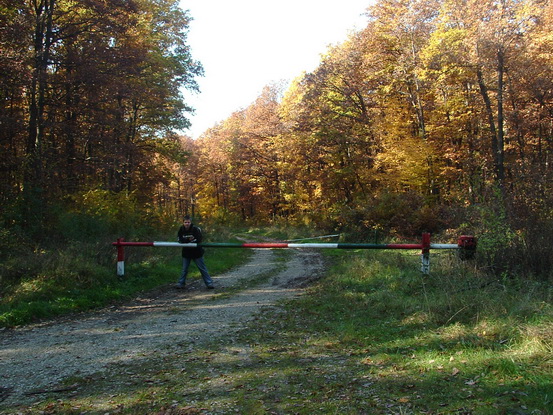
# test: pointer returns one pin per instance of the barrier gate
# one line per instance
(466, 246)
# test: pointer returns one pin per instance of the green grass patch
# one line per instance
(73, 279)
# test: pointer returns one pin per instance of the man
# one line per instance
(189, 233)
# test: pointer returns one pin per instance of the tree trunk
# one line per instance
(498, 161)
(34, 175)
(499, 151)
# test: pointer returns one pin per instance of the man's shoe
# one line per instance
(210, 287)
(180, 286)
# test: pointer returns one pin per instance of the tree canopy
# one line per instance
(436, 110)
(91, 97)
(438, 98)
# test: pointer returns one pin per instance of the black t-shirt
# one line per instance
(194, 235)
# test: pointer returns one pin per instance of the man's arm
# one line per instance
(197, 235)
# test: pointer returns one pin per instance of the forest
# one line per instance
(436, 117)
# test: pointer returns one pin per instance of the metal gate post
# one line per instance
(425, 255)
(120, 257)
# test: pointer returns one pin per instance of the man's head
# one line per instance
(186, 221)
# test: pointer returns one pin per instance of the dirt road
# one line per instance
(39, 358)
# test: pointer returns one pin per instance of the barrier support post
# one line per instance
(120, 257)
(425, 254)
(467, 246)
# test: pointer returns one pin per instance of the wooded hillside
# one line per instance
(438, 115)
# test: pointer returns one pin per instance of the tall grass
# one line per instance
(66, 275)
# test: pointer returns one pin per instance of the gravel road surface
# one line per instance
(40, 357)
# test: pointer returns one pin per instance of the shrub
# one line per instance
(510, 246)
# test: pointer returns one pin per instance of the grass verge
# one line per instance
(77, 278)
(372, 337)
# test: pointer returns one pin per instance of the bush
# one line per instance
(497, 241)
(510, 245)
(16, 253)
(405, 215)
(82, 226)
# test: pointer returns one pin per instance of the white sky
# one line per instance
(245, 45)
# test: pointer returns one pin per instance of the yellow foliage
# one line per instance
(406, 162)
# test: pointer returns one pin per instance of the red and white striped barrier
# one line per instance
(466, 245)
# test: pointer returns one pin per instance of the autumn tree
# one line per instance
(260, 153)
(396, 35)
(487, 41)
(13, 116)
(217, 193)
(102, 95)
(329, 116)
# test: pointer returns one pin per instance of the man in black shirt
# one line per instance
(189, 233)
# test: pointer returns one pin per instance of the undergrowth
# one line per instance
(59, 278)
